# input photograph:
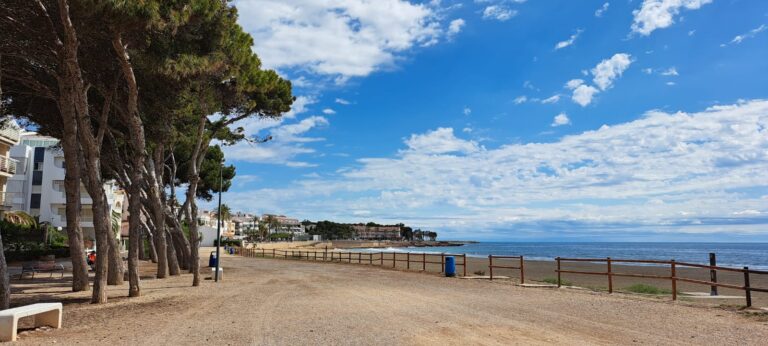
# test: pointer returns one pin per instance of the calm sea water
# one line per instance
(754, 255)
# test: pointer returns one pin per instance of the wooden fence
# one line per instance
(672, 277)
(420, 260)
(520, 266)
(412, 260)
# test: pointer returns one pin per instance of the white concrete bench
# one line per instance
(46, 314)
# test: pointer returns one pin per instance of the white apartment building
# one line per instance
(9, 136)
(37, 186)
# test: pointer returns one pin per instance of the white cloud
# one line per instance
(498, 12)
(659, 14)
(671, 83)
(609, 69)
(288, 140)
(455, 27)
(520, 99)
(560, 120)
(345, 38)
(604, 73)
(569, 41)
(669, 72)
(342, 101)
(691, 32)
(467, 111)
(582, 93)
(648, 70)
(551, 99)
(697, 172)
(440, 141)
(600, 11)
(329, 111)
(752, 33)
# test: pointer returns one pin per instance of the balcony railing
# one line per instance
(7, 165)
(6, 199)
(10, 133)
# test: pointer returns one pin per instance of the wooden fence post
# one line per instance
(273, 253)
(423, 261)
(522, 270)
(370, 258)
(394, 256)
(408, 260)
(610, 277)
(558, 271)
(712, 273)
(442, 262)
(673, 273)
(490, 265)
(465, 264)
(381, 258)
(747, 289)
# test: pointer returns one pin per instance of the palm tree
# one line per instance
(17, 218)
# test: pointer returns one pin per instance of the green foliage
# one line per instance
(553, 281)
(331, 230)
(35, 252)
(228, 242)
(647, 289)
(57, 238)
(280, 236)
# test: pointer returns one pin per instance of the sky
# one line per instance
(622, 120)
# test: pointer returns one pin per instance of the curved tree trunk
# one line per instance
(158, 217)
(5, 284)
(132, 120)
(73, 106)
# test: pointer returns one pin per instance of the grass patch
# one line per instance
(647, 289)
(480, 272)
(553, 281)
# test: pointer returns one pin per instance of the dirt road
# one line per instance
(266, 301)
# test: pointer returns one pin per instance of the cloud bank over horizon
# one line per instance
(693, 173)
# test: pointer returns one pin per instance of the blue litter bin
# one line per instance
(231, 250)
(212, 260)
(450, 266)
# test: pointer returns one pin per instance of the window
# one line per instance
(37, 178)
(39, 154)
(34, 202)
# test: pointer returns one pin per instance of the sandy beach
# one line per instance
(539, 271)
(273, 302)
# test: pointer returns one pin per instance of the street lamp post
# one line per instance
(218, 227)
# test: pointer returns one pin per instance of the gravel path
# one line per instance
(265, 301)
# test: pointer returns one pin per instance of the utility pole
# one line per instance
(218, 227)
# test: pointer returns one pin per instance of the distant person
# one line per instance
(91, 259)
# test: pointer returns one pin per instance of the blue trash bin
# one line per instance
(212, 260)
(231, 250)
(450, 266)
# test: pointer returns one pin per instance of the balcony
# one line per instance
(10, 134)
(6, 200)
(7, 165)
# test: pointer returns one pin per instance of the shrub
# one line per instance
(553, 281)
(480, 272)
(35, 253)
(228, 242)
(647, 289)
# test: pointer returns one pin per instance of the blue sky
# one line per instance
(513, 119)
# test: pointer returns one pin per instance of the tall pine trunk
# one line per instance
(132, 120)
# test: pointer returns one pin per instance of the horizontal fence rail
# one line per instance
(520, 266)
(412, 260)
(673, 276)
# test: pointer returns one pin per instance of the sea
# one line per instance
(752, 255)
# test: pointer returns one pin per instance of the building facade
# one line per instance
(365, 232)
(37, 186)
(9, 137)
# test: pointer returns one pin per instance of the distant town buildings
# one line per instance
(377, 232)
